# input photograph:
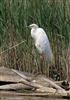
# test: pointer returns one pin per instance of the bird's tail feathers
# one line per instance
(50, 58)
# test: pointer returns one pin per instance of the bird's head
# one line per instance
(33, 26)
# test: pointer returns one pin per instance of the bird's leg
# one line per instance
(67, 73)
(40, 68)
(42, 58)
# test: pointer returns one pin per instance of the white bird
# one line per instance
(41, 42)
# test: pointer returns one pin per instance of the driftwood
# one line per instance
(36, 84)
(32, 94)
(21, 75)
(15, 86)
(40, 87)
(7, 75)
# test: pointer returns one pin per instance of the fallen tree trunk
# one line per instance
(22, 75)
(18, 80)
(32, 94)
(38, 86)
(14, 86)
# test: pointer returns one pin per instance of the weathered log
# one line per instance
(22, 75)
(7, 75)
(30, 82)
(15, 86)
(38, 86)
(53, 84)
(32, 94)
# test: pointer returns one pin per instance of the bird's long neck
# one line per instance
(33, 33)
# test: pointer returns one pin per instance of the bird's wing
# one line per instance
(42, 44)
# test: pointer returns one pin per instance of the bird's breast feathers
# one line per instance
(39, 33)
(41, 40)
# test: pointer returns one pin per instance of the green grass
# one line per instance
(15, 15)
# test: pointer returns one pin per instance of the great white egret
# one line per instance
(41, 42)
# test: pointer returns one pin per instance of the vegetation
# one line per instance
(52, 15)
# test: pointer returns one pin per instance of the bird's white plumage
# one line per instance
(41, 41)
